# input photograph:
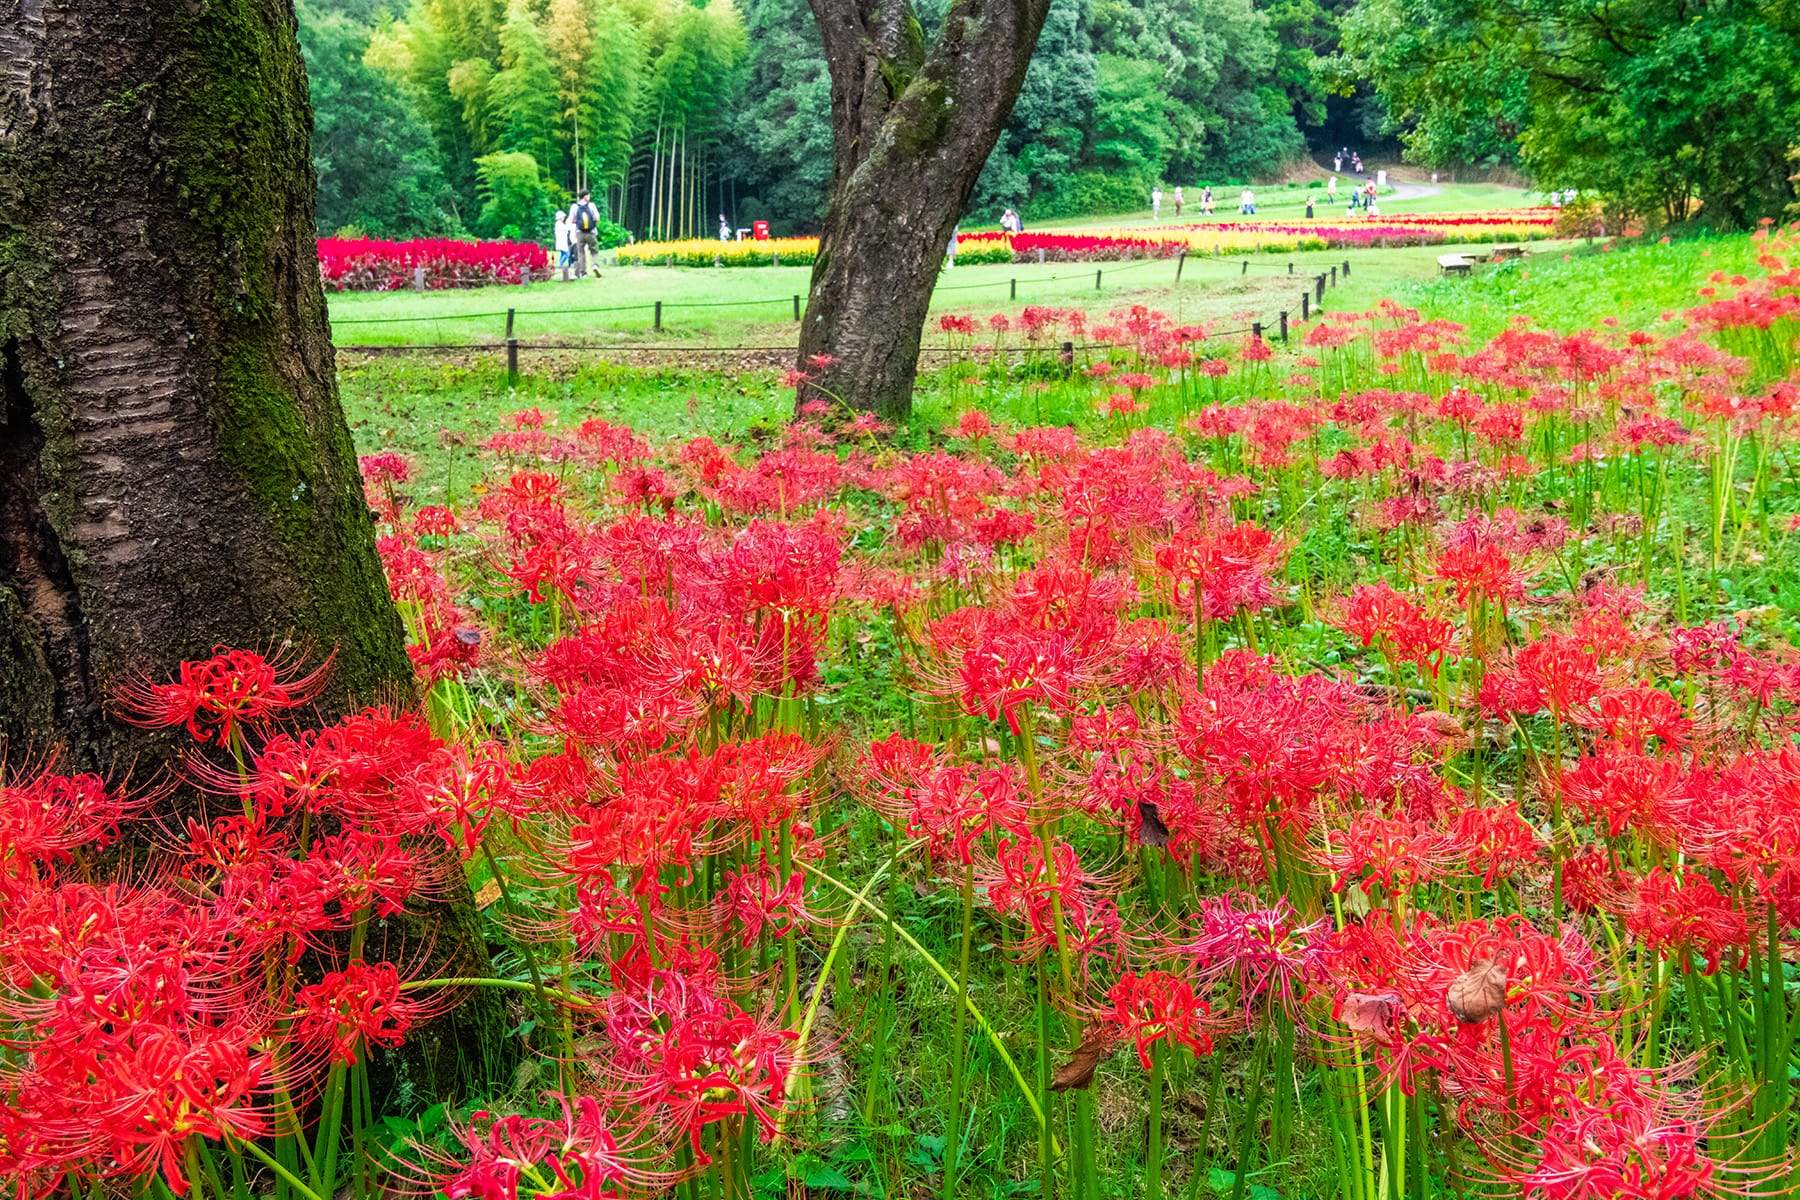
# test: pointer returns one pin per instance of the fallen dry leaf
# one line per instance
(490, 892)
(1478, 993)
(1368, 1014)
(1078, 1072)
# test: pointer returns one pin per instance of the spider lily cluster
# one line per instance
(1370, 768)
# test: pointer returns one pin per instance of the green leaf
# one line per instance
(829, 1179)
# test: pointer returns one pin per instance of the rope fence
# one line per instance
(1311, 297)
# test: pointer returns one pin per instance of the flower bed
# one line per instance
(710, 252)
(371, 265)
(1111, 245)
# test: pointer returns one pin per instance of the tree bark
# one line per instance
(912, 127)
(175, 471)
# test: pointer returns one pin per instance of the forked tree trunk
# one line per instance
(175, 471)
(911, 127)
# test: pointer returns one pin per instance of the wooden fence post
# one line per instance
(658, 318)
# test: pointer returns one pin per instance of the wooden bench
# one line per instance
(1455, 264)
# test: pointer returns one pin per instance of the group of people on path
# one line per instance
(1156, 199)
(577, 236)
(1343, 155)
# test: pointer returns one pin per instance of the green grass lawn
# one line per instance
(432, 407)
(754, 305)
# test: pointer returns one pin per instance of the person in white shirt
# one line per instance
(724, 228)
(1155, 203)
(1247, 203)
(562, 243)
(1178, 202)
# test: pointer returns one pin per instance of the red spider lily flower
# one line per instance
(751, 903)
(46, 817)
(1377, 612)
(1025, 885)
(1687, 913)
(215, 697)
(1158, 1006)
(577, 1155)
(1495, 842)
(1395, 853)
(1224, 571)
(688, 1057)
(1265, 948)
(361, 1003)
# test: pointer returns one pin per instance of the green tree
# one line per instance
(1215, 57)
(1650, 104)
(783, 122)
(610, 82)
(515, 201)
(522, 95)
(378, 166)
(1034, 165)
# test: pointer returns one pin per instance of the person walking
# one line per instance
(1206, 200)
(584, 223)
(724, 228)
(950, 251)
(1178, 202)
(1337, 161)
(1156, 203)
(1331, 189)
(562, 244)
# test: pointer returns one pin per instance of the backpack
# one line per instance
(586, 218)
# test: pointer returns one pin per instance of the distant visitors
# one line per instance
(562, 242)
(1206, 200)
(584, 220)
(1178, 202)
(724, 228)
(1155, 203)
(1356, 163)
(1337, 161)
(1369, 198)
(1247, 203)
(1309, 206)
(1009, 221)
(1331, 190)
(950, 253)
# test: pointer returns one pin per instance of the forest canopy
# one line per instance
(482, 116)
(674, 113)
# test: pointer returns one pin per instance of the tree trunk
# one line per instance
(175, 471)
(911, 127)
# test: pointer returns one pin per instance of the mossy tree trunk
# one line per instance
(175, 470)
(912, 125)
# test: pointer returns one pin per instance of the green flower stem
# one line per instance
(981, 1020)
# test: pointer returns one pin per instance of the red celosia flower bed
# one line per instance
(370, 265)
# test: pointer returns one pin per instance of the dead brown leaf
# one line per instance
(1478, 993)
(1078, 1072)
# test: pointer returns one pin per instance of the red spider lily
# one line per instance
(1376, 611)
(1224, 571)
(361, 1003)
(1265, 949)
(1686, 912)
(214, 697)
(752, 902)
(575, 1157)
(1026, 884)
(690, 1058)
(1158, 1006)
